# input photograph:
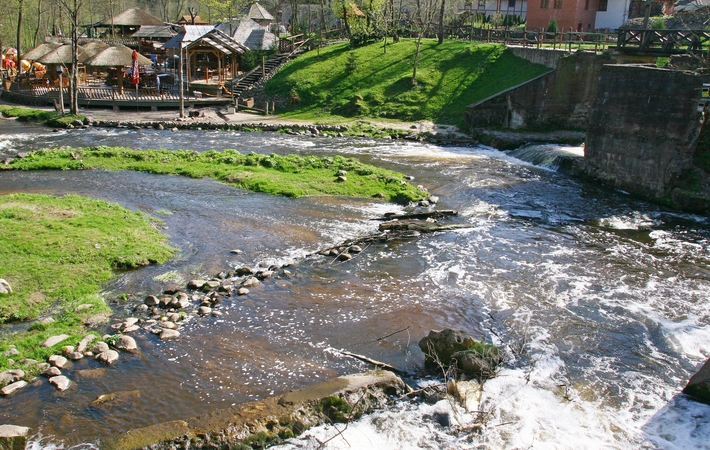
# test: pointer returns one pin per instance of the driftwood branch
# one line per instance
(419, 216)
(374, 362)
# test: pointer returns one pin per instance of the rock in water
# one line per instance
(13, 437)
(441, 345)
(699, 385)
(61, 382)
(126, 343)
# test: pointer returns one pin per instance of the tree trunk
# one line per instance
(416, 58)
(441, 22)
(19, 36)
(74, 82)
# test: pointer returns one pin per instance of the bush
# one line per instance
(552, 26)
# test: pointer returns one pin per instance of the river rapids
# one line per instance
(600, 301)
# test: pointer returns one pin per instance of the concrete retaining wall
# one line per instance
(560, 100)
(643, 128)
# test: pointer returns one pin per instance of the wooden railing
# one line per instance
(89, 93)
(663, 42)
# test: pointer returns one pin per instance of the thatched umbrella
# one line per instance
(61, 55)
(40, 51)
(118, 56)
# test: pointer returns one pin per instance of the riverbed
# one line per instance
(599, 300)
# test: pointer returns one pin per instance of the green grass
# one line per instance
(365, 82)
(289, 175)
(57, 253)
(50, 118)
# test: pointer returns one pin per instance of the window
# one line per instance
(603, 5)
(586, 5)
(544, 4)
(511, 4)
(558, 4)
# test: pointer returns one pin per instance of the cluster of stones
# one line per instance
(293, 129)
(13, 379)
(166, 312)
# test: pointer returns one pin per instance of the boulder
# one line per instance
(13, 387)
(204, 310)
(96, 320)
(51, 372)
(196, 284)
(242, 291)
(151, 300)
(126, 343)
(699, 385)
(13, 437)
(54, 340)
(441, 345)
(108, 357)
(84, 343)
(167, 333)
(101, 347)
(480, 363)
(83, 307)
(251, 282)
(10, 376)
(57, 361)
(5, 287)
(60, 382)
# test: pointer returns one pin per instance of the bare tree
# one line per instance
(21, 5)
(73, 8)
(423, 14)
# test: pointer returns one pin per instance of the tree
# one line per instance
(225, 10)
(423, 14)
(19, 35)
(73, 8)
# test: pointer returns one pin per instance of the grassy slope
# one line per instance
(56, 253)
(450, 77)
(290, 175)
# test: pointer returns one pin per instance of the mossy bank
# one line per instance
(57, 253)
(287, 175)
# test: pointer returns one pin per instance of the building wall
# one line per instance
(490, 7)
(575, 15)
(616, 15)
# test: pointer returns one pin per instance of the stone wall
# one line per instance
(643, 128)
(560, 100)
(545, 56)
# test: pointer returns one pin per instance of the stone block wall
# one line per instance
(560, 100)
(643, 128)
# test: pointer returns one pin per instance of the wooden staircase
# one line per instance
(246, 81)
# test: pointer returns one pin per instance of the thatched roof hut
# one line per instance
(134, 17)
(40, 51)
(116, 56)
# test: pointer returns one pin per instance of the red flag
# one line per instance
(135, 76)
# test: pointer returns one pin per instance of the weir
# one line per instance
(642, 123)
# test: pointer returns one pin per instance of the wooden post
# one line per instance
(263, 66)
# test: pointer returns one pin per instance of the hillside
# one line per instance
(366, 82)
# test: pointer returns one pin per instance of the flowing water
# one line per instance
(599, 300)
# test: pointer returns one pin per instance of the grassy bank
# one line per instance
(365, 82)
(56, 253)
(51, 118)
(290, 175)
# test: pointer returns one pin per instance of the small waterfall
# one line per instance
(550, 156)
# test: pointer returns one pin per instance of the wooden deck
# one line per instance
(109, 96)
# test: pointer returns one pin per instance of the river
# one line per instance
(599, 300)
